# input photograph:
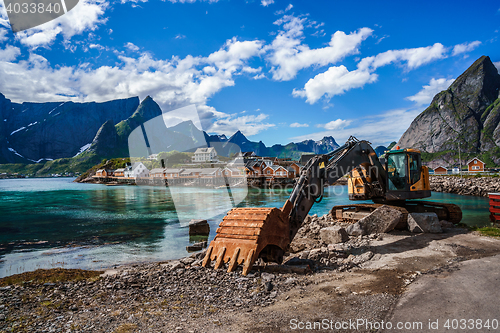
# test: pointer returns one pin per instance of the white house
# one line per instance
(136, 170)
(205, 155)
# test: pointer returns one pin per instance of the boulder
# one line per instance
(355, 229)
(446, 224)
(424, 222)
(333, 235)
(382, 219)
(199, 228)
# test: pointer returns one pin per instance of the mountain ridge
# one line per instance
(465, 117)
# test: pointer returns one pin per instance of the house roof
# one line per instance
(157, 170)
(205, 150)
(440, 167)
(120, 170)
(209, 171)
(173, 170)
(475, 158)
(275, 167)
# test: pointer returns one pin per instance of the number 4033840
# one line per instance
(33, 7)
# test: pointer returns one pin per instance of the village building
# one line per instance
(475, 165)
(104, 173)
(211, 172)
(153, 157)
(173, 173)
(136, 170)
(203, 155)
(440, 170)
(157, 173)
(119, 172)
(275, 171)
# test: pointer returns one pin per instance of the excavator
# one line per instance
(246, 234)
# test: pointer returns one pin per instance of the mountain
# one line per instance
(380, 150)
(32, 132)
(72, 136)
(464, 117)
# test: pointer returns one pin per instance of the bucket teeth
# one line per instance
(244, 233)
(220, 258)
(234, 260)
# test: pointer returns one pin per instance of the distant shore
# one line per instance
(476, 186)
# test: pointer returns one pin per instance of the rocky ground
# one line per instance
(358, 277)
(479, 186)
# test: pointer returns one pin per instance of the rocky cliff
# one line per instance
(31, 132)
(466, 116)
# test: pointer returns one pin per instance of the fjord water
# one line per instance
(53, 222)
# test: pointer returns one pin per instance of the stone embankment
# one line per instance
(478, 186)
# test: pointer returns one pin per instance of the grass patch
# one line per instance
(50, 275)
(488, 231)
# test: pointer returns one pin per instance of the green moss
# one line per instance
(488, 231)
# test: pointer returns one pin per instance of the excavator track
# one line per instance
(246, 234)
(355, 212)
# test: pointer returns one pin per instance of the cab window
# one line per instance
(396, 172)
(414, 164)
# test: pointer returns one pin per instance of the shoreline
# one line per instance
(367, 275)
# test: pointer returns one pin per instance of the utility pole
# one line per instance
(459, 160)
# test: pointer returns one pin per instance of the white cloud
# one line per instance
(298, 125)
(378, 129)
(289, 7)
(86, 15)
(266, 3)
(180, 36)
(172, 83)
(251, 70)
(132, 47)
(4, 19)
(335, 81)
(288, 55)
(3, 33)
(248, 125)
(192, 1)
(414, 58)
(428, 92)
(335, 124)
(10, 53)
(465, 47)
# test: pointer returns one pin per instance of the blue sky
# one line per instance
(279, 71)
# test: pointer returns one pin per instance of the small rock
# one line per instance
(424, 222)
(176, 265)
(2, 317)
(362, 258)
(267, 276)
(187, 260)
(355, 229)
(269, 286)
(333, 235)
(199, 227)
(446, 224)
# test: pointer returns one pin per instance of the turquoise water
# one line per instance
(53, 222)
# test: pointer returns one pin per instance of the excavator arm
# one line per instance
(246, 234)
(326, 169)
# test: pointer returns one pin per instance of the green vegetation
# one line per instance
(50, 275)
(488, 231)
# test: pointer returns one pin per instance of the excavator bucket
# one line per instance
(247, 233)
